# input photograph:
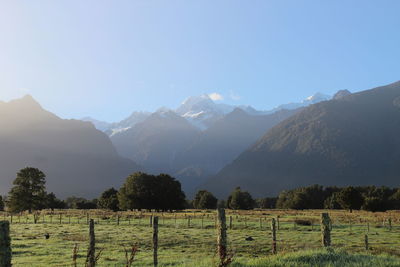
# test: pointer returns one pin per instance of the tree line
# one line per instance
(140, 191)
(164, 193)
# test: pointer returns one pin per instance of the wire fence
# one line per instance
(187, 234)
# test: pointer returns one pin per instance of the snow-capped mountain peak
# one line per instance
(317, 97)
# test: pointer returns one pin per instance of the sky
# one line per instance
(105, 59)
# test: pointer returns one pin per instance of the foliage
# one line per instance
(205, 200)
(311, 197)
(109, 200)
(145, 191)
(332, 202)
(377, 198)
(28, 192)
(81, 203)
(266, 203)
(350, 198)
(1, 203)
(369, 198)
(52, 202)
(240, 200)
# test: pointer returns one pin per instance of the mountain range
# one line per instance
(353, 139)
(199, 138)
(77, 158)
(340, 140)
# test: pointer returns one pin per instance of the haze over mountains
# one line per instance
(353, 139)
(77, 158)
(347, 139)
(192, 143)
(199, 138)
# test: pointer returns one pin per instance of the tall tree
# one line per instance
(144, 191)
(109, 200)
(205, 200)
(350, 199)
(240, 200)
(28, 192)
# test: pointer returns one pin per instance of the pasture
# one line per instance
(188, 238)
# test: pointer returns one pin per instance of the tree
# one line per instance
(239, 200)
(109, 200)
(377, 198)
(81, 203)
(350, 199)
(1, 203)
(205, 200)
(266, 203)
(145, 191)
(169, 194)
(332, 202)
(311, 197)
(52, 202)
(28, 192)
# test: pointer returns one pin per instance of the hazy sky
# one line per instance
(108, 58)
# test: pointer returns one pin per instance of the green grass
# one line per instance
(181, 245)
(311, 258)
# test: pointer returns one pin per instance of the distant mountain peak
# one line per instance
(27, 99)
(317, 97)
(341, 93)
(196, 99)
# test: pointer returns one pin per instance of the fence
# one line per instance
(285, 232)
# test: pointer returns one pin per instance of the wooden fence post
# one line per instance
(188, 221)
(151, 220)
(222, 237)
(273, 229)
(60, 217)
(230, 222)
(155, 241)
(117, 219)
(390, 224)
(325, 230)
(366, 242)
(92, 245)
(5, 244)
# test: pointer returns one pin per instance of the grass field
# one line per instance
(192, 242)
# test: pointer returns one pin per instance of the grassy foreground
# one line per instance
(192, 242)
(311, 258)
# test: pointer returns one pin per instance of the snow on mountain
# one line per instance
(313, 99)
(201, 111)
(135, 118)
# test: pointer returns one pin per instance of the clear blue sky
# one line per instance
(108, 58)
